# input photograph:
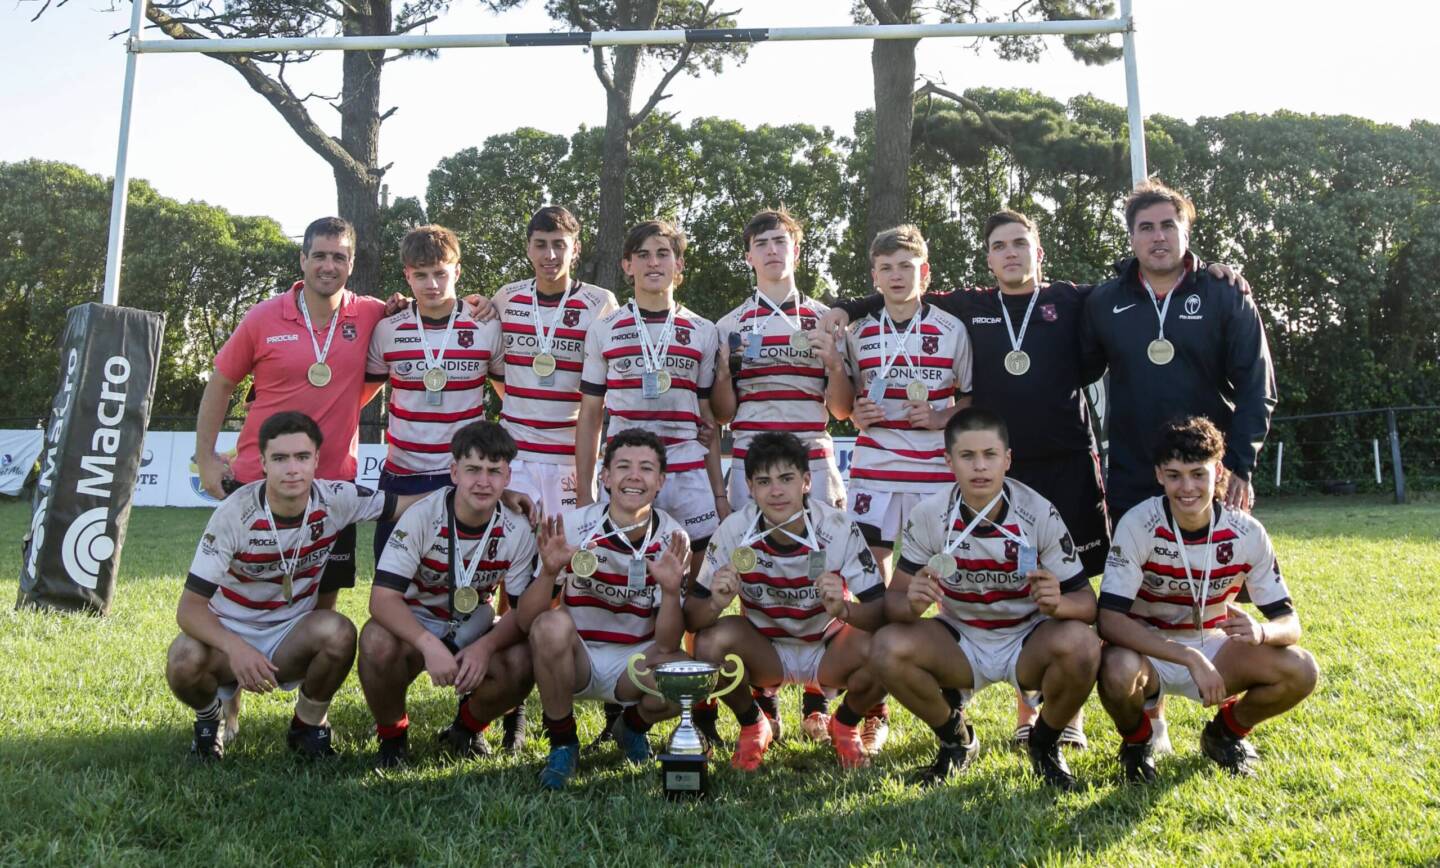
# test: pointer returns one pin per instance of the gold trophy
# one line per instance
(684, 770)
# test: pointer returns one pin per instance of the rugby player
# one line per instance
(1168, 615)
(432, 608)
(810, 595)
(248, 614)
(1015, 605)
(617, 569)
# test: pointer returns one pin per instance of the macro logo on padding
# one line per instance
(87, 545)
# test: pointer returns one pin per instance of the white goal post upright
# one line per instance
(134, 46)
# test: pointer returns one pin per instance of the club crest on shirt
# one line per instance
(930, 344)
(317, 528)
(493, 551)
(465, 339)
(1047, 313)
(807, 323)
(1225, 552)
(682, 336)
(1012, 550)
(348, 331)
(571, 318)
(862, 504)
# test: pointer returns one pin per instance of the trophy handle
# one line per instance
(637, 674)
(735, 671)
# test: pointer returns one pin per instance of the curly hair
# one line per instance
(1192, 440)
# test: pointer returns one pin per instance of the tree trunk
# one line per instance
(893, 65)
(358, 196)
(614, 166)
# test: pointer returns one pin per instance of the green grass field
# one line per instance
(93, 765)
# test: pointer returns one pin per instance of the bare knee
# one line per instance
(1119, 672)
(378, 646)
(551, 630)
(186, 662)
(1299, 671)
(891, 648)
(714, 641)
(1077, 649)
(332, 632)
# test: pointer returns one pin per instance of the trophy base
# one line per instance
(685, 775)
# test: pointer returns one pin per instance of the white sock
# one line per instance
(310, 711)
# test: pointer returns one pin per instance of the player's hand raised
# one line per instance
(253, 670)
(866, 412)
(555, 550)
(832, 595)
(1207, 679)
(474, 662)
(924, 591)
(669, 569)
(1238, 625)
(724, 585)
(1045, 591)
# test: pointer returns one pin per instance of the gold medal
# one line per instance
(916, 391)
(744, 559)
(466, 599)
(435, 380)
(800, 341)
(662, 381)
(1160, 351)
(543, 365)
(1017, 362)
(318, 375)
(584, 563)
(943, 564)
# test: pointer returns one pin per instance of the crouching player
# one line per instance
(617, 569)
(1015, 606)
(791, 558)
(1168, 619)
(248, 615)
(432, 605)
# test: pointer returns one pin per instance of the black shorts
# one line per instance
(1073, 484)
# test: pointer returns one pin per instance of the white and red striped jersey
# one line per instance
(784, 389)
(890, 455)
(778, 597)
(614, 363)
(603, 606)
(238, 556)
(538, 412)
(988, 592)
(418, 431)
(417, 560)
(1145, 576)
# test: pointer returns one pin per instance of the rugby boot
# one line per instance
(875, 731)
(461, 743)
(514, 726)
(634, 745)
(394, 752)
(816, 727)
(750, 749)
(560, 766)
(1050, 766)
(207, 746)
(310, 742)
(950, 760)
(1232, 754)
(1137, 762)
(1073, 736)
(849, 745)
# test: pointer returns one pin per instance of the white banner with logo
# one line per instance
(19, 449)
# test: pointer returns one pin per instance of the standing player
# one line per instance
(783, 382)
(912, 374)
(431, 605)
(810, 595)
(1177, 341)
(651, 365)
(1015, 605)
(436, 358)
(1167, 614)
(545, 321)
(618, 569)
(248, 614)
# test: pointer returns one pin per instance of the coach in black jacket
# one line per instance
(1177, 342)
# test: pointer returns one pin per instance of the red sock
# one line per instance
(1228, 721)
(634, 721)
(1140, 734)
(394, 730)
(469, 720)
(879, 709)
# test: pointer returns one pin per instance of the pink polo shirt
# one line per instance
(271, 343)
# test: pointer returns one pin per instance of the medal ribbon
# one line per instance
(955, 509)
(653, 351)
(544, 340)
(1159, 310)
(808, 540)
(310, 328)
(888, 362)
(1198, 595)
(290, 564)
(1016, 340)
(434, 359)
(622, 533)
(762, 297)
(465, 577)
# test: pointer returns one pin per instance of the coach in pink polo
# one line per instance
(306, 348)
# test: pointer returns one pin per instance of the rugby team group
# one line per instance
(592, 521)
